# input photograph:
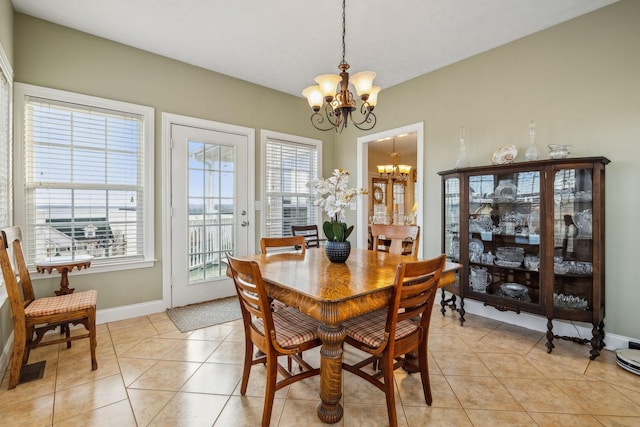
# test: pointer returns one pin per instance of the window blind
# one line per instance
(289, 166)
(83, 181)
(5, 151)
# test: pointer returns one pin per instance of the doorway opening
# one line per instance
(400, 200)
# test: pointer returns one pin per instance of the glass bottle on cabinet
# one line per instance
(530, 237)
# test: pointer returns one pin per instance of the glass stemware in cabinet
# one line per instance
(532, 152)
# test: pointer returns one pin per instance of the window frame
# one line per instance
(7, 72)
(21, 92)
(265, 136)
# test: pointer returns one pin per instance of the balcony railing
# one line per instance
(209, 240)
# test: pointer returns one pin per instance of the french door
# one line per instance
(209, 211)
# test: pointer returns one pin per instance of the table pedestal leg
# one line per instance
(64, 283)
(64, 290)
(330, 410)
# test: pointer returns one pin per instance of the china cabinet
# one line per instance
(530, 237)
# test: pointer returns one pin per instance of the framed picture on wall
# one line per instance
(379, 190)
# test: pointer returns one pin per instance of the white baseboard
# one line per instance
(129, 311)
(5, 357)
(539, 323)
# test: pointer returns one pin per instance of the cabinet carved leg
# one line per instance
(601, 329)
(596, 340)
(549, 336)
(330, 410)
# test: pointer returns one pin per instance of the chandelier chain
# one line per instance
(344, 32)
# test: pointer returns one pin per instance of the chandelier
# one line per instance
(394, 171)
(338, 106)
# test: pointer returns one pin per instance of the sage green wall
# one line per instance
(53, 56)
(6, 28)
(580, 82)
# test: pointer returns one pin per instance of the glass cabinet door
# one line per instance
(573, 240)
(451, 218)
(504, 237)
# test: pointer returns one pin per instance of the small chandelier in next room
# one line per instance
(394, 171)
(338, 106)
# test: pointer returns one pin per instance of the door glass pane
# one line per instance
(452, 218)
(210, 182)
(504, 236)
(573, 239)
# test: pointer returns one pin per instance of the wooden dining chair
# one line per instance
(286, 332)
(33, 317)
(292, 242)
(398, 330)
(399, 235)
(310, 233)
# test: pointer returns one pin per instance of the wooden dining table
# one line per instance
(332, 293)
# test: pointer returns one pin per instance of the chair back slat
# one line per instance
(251, 291)
(398, 234)
(414, 291)
(309, 232)
(293, 242)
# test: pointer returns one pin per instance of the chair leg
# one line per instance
(93, 342)
(67, 333)
(246, 369)
(27, 344)
(16, 361)
(387, 368)
(424, 374)
(270, 392)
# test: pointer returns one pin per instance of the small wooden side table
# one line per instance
(63, 265)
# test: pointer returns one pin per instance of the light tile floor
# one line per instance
(486, 373)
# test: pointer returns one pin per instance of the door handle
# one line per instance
(244, 223)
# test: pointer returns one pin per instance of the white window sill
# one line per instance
(99, 268)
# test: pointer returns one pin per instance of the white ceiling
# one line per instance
(284, 44)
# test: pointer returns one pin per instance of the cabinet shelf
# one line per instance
(552, 216)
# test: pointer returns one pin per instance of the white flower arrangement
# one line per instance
(334, 196)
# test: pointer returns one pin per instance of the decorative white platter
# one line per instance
(504, 155)
(505, 192)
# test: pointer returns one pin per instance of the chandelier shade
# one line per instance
(314, 97)
(333, 97)
(363, 82)
(394, 171)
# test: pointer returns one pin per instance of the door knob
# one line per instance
(244, 223)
